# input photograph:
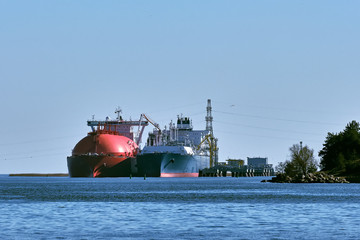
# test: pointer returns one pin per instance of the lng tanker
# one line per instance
(109, 150)
(178, 151)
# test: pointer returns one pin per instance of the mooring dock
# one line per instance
(242, 171)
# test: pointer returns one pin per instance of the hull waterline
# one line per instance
(99, 166)
(170, 165)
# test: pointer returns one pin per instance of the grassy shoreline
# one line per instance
(38, 175)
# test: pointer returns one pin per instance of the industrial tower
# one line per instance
(209, 118)
(209, 127)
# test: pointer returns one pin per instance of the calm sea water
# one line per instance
(176, 208)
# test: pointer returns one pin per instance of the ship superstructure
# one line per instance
(181, 133)
(177, 151)
(109, 150)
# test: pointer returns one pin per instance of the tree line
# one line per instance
(341, 151)
(340, 155)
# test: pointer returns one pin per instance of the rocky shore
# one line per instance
(318, 177)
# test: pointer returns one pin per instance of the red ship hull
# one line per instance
(99, 166)
(102, 155)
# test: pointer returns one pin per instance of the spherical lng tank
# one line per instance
(102, 155)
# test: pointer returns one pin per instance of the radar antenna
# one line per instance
(118, 111)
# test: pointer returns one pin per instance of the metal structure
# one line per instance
(213, 141)
(209, 118)
(121, 127)
(212, 147)
(179, 150)
(109, 150)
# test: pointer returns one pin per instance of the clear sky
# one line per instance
(277, 72)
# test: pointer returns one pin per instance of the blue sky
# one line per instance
(277, 72)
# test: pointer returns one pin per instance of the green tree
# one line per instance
(342, 150)
(280, 168)
(301, 161)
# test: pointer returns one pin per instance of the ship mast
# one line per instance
(118, 112)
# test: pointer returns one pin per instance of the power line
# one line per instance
(32, 152)
(277, 119)
(29, 156)
(270, 129)
(232, 104)
(264, 136)
(35, 141)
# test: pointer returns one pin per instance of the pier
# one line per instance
(242, 171)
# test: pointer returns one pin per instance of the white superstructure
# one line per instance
(184, 150)
(180, 137)
(179, 134)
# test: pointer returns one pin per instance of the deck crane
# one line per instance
(151, 121)
(212, 146)
(156, 125)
